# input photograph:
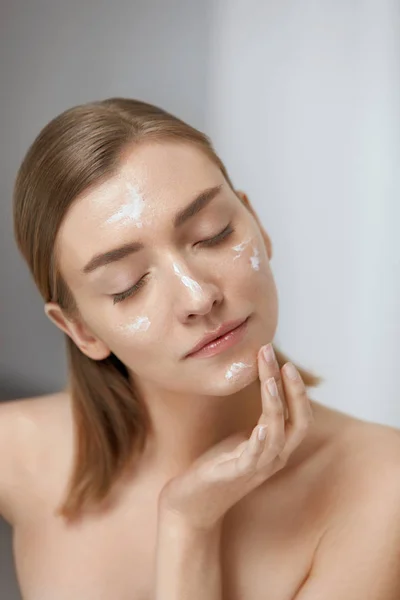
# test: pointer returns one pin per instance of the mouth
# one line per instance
(227, 335)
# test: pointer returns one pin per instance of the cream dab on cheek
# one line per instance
(255, 259)
(139, 324)
(188, 282)
(240, 247)
(234, 369)
(132, 210)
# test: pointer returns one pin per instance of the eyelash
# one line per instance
(214, 241)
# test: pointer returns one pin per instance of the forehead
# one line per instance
(153, 182)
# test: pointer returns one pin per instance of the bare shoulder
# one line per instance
(358, 546)
(23, 433)
(364, 468)
(353, 443)
(371, 450)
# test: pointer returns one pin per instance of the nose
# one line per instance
(194, 295)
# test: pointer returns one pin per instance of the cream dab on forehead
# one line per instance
(131, 211)
(194, 287)
(138, 324)
(235, 368)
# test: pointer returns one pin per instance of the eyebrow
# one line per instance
(194, 207)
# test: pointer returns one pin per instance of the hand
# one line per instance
(227, 472)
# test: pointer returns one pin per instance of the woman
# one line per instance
(144, 254)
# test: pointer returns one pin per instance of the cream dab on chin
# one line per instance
(188, 282)
(234, 369)
(139, 324)
(132, 210)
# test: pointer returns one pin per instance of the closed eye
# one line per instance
(129, 292)
(214, 241)
(219, 237)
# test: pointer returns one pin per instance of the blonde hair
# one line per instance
(78, 149)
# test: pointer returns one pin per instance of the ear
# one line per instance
(78, 331)
(267, 241)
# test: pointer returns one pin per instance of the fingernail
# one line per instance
(269, 353)
(291, 371)
(262, 432)
(273, 390)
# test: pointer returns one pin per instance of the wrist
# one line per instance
(187, 559)
(180, 526)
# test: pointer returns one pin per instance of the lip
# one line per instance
(234, 328)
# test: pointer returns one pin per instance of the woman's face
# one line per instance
(154, 304)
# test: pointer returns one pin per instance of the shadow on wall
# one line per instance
(13, 386)
(9, 589)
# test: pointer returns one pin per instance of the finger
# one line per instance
(247, 461)
(269, 367)
(238, 464)
(275, 419)
(300, 410)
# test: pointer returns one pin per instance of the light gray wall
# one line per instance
(56, 54)
(304, 109)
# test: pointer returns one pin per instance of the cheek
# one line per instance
(132, 335)
(140, 333)
(137, 324)
(134, 339)
(249, 257)
(248, 271)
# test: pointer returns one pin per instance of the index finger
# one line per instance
(268, 367)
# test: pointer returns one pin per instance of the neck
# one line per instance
(183, 428)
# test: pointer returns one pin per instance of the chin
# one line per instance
(236, 376)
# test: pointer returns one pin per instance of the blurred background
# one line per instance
(301, 100)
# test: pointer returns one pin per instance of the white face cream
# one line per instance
(255, 259)
(131, 211)
(194, 287)
(139, 324)
(239, 248)
(234, 369)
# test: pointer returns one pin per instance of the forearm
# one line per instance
(188, 565)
